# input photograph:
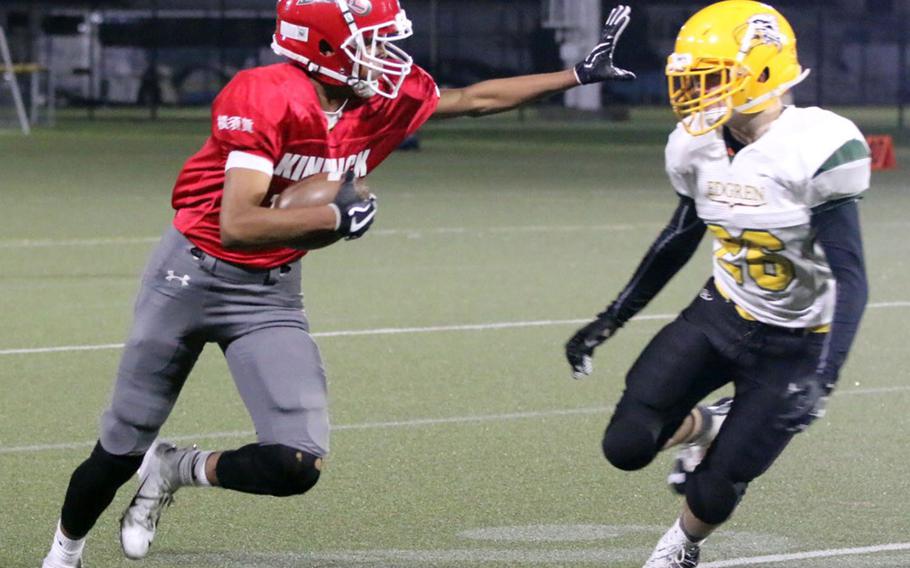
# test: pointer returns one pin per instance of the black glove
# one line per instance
(580, 348)
(355, 214)
(598, 65)
(803, 402)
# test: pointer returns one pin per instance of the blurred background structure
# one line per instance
(172, 54)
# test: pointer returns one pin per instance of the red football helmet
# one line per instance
(347, 42)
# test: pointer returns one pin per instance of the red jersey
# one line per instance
(269, 119)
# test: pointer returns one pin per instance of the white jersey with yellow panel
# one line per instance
(758, 204)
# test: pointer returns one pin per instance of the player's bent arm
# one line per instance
(837, 230)
(670, 252)
(667, 255)
(836, 225)
(500, 95)
(246, 224)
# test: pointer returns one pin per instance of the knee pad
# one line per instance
(297, 470)
(277, 470)
(712, 497)
(629, 445)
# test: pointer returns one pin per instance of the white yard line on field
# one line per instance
(62, 349)
(50, 243)
(105, 241)
(399, 331)
(418, 422)
(349, 333)
(413, 423)
(776, 558)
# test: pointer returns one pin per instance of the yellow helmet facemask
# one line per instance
(737, 55)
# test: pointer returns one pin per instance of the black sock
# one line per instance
(92, 488)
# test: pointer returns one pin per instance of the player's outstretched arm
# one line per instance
(246, 223)
(499, 95)
(670, 252)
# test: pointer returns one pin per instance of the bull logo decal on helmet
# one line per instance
(765, 31)
(360, 7)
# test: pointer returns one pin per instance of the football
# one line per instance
(315, 191)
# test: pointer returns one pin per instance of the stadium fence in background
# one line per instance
(154, 54)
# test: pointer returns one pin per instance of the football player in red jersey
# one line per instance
(224, 272)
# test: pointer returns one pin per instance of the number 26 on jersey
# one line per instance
(754, 253)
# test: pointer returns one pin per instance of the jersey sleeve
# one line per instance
(679, 168)
(838, 232)
(838, 163)
(422, 88)
(668, 254)
(246, 122)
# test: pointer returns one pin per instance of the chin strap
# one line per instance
(780, 90)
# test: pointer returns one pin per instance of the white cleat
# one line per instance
(690, 455)
(158, 481)
(675, 556)
(674, 550)
(56, 560)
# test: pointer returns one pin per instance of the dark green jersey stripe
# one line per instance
(850, 152)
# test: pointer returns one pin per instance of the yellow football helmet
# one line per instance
(737, 55)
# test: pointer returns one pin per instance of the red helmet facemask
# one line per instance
(347, 42)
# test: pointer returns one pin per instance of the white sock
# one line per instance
(68, 547)
(682, 533)
(191, 469)
(199, 477)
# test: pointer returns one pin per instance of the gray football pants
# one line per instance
(188, 299)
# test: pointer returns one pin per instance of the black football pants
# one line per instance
(708, 346)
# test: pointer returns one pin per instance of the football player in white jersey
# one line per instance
(777, 187)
